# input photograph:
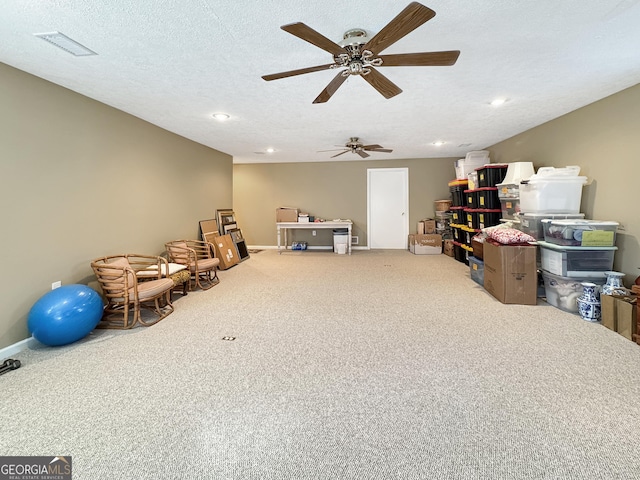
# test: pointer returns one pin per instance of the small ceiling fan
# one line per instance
(357, 54)
(355, 146)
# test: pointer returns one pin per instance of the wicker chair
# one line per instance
(127, 294)
(198, 257)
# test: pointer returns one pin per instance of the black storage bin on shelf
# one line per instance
(491, 175)
(459, 253)
(488, 198)
(458, 234)
(471, 197)
(488, 217)
(458, 216)
(457, 188)
(468, 234)
(471, 219)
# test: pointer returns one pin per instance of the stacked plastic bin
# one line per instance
(575, 251)
(509, 189)
(482, 207)
(550, 212)
(458, 218)
(443, 217)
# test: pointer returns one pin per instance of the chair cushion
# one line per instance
(153, 288)
(205, 264)
(153, 269)
(179, 252)
(116, 272)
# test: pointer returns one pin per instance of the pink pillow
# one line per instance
(508, 236)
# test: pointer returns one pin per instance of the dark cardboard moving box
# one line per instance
(510, 273)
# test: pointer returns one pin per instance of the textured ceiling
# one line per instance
(174, 63)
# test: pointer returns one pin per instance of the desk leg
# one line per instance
(279, 251)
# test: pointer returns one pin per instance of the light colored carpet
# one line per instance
(378, 365)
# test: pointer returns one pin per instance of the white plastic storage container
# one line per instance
(508, 190)
(580, 233)
(510, 208)
(464, 167)
(552, 190)
(517, 172)
(531, 223)
(576, 261)
(562, 292)
(477, 156)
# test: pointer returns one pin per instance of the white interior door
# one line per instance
(388, 207)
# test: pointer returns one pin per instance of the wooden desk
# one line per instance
(313, 226)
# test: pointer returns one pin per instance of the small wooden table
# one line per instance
(313, 226)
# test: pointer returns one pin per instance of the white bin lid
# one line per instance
(552, 174)
(564, 248)
(578, 223)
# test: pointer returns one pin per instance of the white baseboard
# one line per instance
(321, 247)
(16, 348)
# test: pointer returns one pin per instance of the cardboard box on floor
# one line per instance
(426, 226)
(619, 314)
(226, 251)
(510, 273)
(287, 214)
(447, 247)
(426, 244)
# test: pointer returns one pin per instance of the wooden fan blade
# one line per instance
(425, 59)
(332, 150)
(371, 147)
(291, 73)
(362, 154)
(308, 34)
(377, 148)
(406, 22)
(326, 94)
(341, 153)
(381, 83)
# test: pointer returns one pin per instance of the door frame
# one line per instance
(405, 171)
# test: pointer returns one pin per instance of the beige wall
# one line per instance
(81, 180)
(328, 190)
(604, 139)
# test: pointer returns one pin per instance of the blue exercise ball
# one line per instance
(65, 315)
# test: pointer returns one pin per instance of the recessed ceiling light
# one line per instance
(220, 116)
(271, 150)
(60, 40)
(439, 143)
(498, 101)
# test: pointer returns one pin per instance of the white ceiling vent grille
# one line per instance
(60, 40)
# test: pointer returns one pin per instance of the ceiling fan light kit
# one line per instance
(357, 54)
(355, 146)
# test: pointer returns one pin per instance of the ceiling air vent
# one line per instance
(60, 40)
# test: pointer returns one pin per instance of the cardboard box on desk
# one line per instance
(425, 244)
(287, 214)
(225, 251)
(510, 273)
(619, 314)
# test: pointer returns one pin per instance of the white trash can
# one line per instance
(340, 239)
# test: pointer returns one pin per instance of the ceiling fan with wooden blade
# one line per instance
(355, 146)
(357, 54)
